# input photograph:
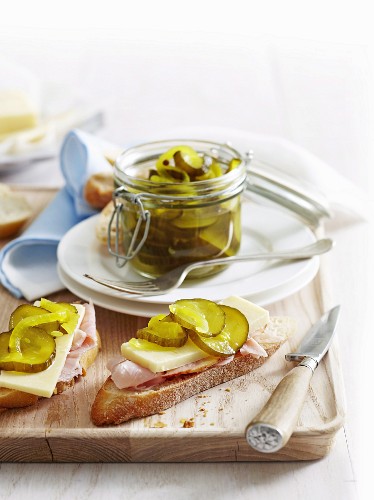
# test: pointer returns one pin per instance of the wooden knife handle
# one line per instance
(270, 430)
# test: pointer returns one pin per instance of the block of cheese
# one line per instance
(43, 383)
(257, 316)
(17, 112)
(167, 358)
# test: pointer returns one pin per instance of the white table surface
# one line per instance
(314, 93)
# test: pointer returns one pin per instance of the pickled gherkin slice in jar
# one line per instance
(202, 316)
(232, 337)
(164, 332)
(195, 218)
(234, 163)
(37, 351)
(187, 156)
(168, 173)
(185, 159)
(214, 170)
(190, 162)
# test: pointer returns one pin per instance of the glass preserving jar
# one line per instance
(161, 225)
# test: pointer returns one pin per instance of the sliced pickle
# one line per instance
(70, 324)
(200, 315)
(230, 339)
(220, 235)
(37, 351)
(4, 342)
(167, 157)
(33, 321)
(195, 218)
(26, 310)
(162, 330)
(155, 320)
(145, 345)
(163, 215)
(172, 174)
(215, 170)
(189, 161)
(189, 155)
(164, 333)
(234, 163)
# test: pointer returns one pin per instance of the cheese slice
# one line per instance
(17, 112)
(43, 383)
(257, 316)
(165, 359)
(162, 359)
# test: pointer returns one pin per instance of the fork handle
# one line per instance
(317, 248)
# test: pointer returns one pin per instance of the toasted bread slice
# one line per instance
(10, 398)
(115, 406)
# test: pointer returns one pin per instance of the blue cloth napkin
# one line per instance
(82, 155)
(28, 264)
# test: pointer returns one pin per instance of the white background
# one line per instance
(293, 69)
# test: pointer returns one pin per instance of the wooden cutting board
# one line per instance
(206, 428)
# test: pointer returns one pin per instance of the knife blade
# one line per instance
(272, 427)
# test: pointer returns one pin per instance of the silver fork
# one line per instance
(175, 278)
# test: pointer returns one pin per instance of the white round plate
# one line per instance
(132, 307)
(264, 229)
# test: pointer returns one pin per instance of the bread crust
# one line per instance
(10, 398)
(115, 406)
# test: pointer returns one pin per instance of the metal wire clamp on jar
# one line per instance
(161, 225)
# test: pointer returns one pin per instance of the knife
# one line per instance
(271, 429)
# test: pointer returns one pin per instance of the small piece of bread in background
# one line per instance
(98, 189)
(14, 211)
(103, 223)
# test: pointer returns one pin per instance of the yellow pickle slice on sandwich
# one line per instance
(37, 350)
(29, 345)
(25, 311)
(232, 337)
(201, 316)
(33, 321)
(70, 324)
(163, 331)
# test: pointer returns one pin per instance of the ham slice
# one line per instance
(79, 338)
(84, 339)
(129, 374)
(252, 347)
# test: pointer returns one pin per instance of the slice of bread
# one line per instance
(10, 398)
(98, 189)
(103, 223)
(115, 406)
(14, 211)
